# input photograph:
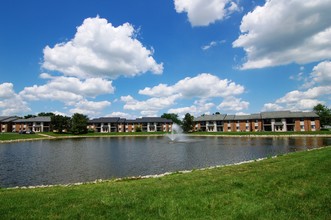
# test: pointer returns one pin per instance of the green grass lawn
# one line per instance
(17, 136)
(105, 134)
(293, 186)
(265, 133)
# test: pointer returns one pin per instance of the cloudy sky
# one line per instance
(131, 58)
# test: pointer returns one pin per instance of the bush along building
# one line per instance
(116, 124)
(278, 121)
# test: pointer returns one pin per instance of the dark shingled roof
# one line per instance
(6, 119)
(105, 120)
(153, 119)
(34, 119)
(123, 120)
(229, 117)
(262, 115)
(242, 117)
(288, 114)
(217, 117)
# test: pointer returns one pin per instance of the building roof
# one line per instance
(7, 119)
(229, 117)
(242, 117)
(137, 120)
(34, 119)
(262, 115)
(3, 117)
(153, 119)
(105, 120)
(216, 117)
(255, 116)
(308, 114)
(288, 114)
(130, 121)
(277, 114)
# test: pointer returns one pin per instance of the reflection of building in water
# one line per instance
(277, 121)
(309, 142)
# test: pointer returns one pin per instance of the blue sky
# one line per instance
(130, 59)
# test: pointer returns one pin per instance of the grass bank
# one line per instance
(265, 133)
(293, 186)
(4, 137)
(8, 137)
(17, 136)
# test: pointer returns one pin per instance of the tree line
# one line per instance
(77, 124)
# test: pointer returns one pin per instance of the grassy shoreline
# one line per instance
(15, 137)
(292, 186)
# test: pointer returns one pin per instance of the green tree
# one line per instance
(79, 124)
(46, 114)
(324, 113)
(60, 123)
(137, 128)
(188, 123)
(173, 117)
(29, 116)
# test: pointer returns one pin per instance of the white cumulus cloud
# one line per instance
(200, 88)
(6, 90)
(322, 73)
(101, 50)
(10, 102)
(91, 108)
(199, 107)
(67, 89)
(282, 32)
(203, 12)
(233, 104)
(148, 107)
(204, 85)
(305, 99)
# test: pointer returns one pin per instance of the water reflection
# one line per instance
(79, 160)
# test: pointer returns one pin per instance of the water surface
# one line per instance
(79, 160)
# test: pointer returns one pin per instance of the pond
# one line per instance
(66, 161)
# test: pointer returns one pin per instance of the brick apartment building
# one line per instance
(277, 121)
(116, 124)
(35, 124)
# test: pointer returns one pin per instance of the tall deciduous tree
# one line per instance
(324, 113)
(188, 123)
(60, 123)
(46, 114)
(173, 117)
(79, 124)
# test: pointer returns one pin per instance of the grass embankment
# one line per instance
(20, 137)
(16, 136)
(97, 134)
(294, 186)
(265, 133)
